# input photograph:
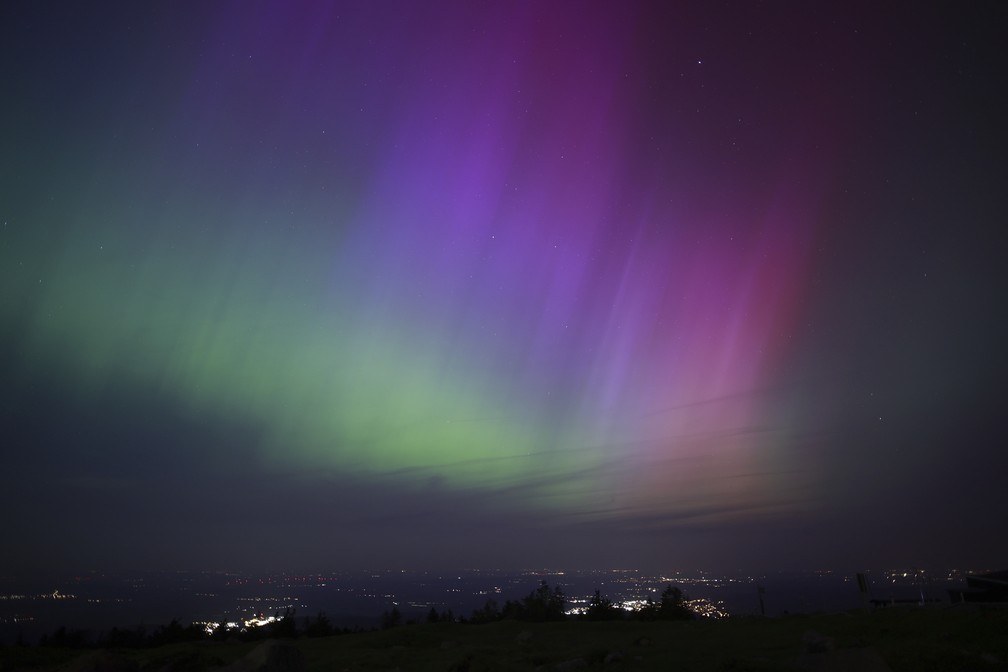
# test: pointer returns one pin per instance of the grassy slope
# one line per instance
(907, 639)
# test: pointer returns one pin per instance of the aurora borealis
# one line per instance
(410, 272)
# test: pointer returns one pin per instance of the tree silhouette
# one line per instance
(320, 627)
(601, 609)
(391, 619)
(487, 614)
(671, 608)
(542, 604)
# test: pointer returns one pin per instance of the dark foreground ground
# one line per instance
(939, 638)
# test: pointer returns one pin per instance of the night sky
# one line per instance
(664, 285)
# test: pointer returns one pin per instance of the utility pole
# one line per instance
(862, 584)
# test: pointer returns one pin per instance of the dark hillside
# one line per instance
(949, 638)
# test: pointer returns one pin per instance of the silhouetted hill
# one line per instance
(912, 638)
